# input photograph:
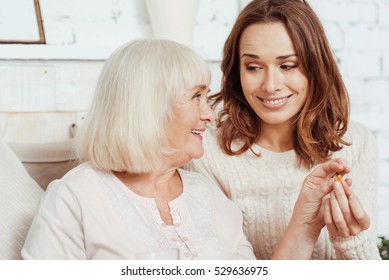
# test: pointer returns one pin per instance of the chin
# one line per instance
(198, 155)
(276, 120)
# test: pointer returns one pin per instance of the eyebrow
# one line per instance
(278, 57)
(202, 87)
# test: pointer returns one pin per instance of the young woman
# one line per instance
(284, 110)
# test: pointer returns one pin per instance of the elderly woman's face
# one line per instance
(185, 130)
(271, 76)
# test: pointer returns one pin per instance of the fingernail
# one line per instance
(337, 185)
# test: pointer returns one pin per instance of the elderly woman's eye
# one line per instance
(197, 96)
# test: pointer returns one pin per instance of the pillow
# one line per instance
(19, 197)
(46, 162)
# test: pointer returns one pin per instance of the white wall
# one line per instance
(46, 88)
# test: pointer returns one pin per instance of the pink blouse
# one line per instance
(89, 214)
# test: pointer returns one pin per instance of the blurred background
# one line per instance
(48, 71)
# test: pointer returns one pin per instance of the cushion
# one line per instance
(19, 197)
(46, 162)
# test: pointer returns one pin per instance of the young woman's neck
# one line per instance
(276, 138)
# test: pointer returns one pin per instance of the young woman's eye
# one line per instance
(252, 67)
(288, 66)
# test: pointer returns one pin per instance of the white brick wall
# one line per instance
(346, 11)
(56, 81)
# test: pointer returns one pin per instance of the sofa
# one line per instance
(25, 172)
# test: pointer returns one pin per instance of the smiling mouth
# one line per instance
(275, 101)
(197, 132)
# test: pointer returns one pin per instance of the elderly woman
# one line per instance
(130, 198)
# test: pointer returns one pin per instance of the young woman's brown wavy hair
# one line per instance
(322, 122)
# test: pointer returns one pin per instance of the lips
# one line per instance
(274, 102)
(197, 132)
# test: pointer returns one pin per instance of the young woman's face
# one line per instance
(271, 77)
(188, 123)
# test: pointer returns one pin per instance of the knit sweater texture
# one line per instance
(266, 188)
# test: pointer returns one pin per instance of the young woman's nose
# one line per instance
(272, 81)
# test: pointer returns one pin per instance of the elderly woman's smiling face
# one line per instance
(185, 129)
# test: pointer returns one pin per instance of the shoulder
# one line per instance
(196, 180)
(76, 183)
(201, 187)
(363, 148)
(80, 174)
(357, 129)
(360, 136)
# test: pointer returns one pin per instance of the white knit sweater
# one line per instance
(266, 189)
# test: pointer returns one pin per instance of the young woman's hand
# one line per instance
(307, 219)
(308, 209)
(344, 214)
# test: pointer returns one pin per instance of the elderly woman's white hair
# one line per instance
(135, 94)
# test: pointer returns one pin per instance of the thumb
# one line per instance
(331, 168)
(323, 189)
